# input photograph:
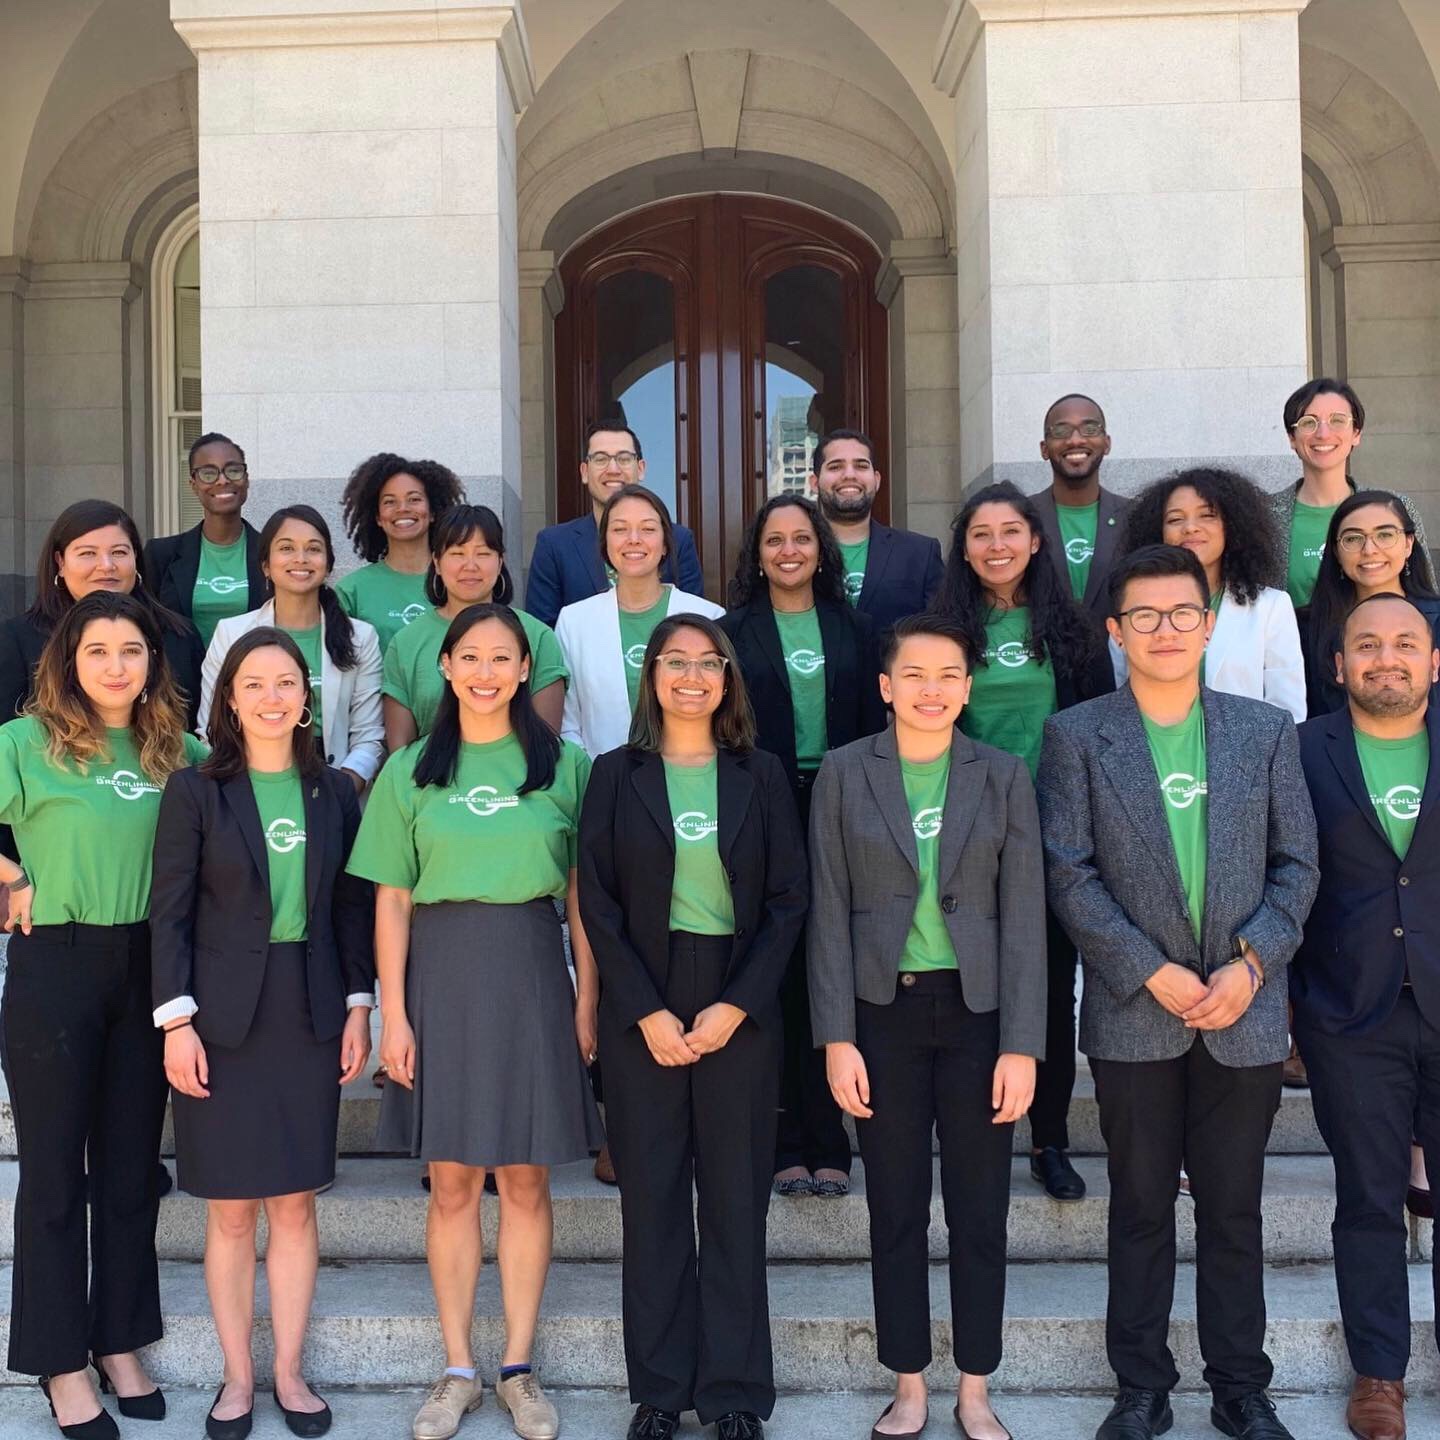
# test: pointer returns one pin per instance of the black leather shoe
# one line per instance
(1052, 1169)
(740, 1425)
(1137, 1415)
(98, 1427)
(1251, 1417)
(308, 1424)
(648, 1423)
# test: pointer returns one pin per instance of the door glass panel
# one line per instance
(635, 362)
(804, 371)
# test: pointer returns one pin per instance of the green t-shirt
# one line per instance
(1395, 773)
(927, 945)
(636, 628)
(856, 557)
(804, 653)
(84, 839)
(1013, 693)
(222, 587)
(312, 647)
(412, 674)
(476, 838)
(1077, 535)
(1307, 546)
(700, 901)
(282, 818)
(384, 598)
(1179, 755)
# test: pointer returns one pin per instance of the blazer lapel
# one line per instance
(186, 569)
(648, 778)
(877, 557)
(1340, 738)
(587, 544)
(253, 573)
(834, 638)
(767, 633)
(1430, 800)
(1229, 765)
(241, 799)
(963, 792)
(733, 791)
(317, 812)
(1050, 526)
(1107, 539)
(882, 770)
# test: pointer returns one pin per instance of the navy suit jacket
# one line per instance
(1376, 919)
(903, 572)
(566, 567)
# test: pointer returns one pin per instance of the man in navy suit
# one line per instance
(1366, 981)
(889, 574)
(566, 565)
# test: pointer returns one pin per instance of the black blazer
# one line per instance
(903, 572)
(1109, 522)
(853, 707)
(210, 903)
(627, 871)
(1376, 919)
(172, 564)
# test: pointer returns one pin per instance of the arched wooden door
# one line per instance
(731, 331)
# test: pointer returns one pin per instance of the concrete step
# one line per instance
(604, 1414)
(374, 1324)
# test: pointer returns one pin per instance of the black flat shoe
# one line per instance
(648, 1423)
(1420, 1203)
(150, 1406)
(740, 1425)
(1052, 1169)
(236, 1429)
(1251, 1417)
(98, 1427)
(306, 1423)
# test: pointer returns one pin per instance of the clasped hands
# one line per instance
(672, 1044)
(1213, 1006)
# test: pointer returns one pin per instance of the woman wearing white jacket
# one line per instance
(297, 556)
(604, 636)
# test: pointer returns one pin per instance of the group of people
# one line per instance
(832, 849)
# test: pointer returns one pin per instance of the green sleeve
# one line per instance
(195, 749)
(12, 783)
(580, 780)
(384, 850)
(548, 661)
(394, 679)
(345, 589)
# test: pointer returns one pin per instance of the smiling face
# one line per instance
(485, 668)
(470, 569)
(687, 683)
(101, 559)
(927, 684)
(1372, 547)
(268, 695)
(610, 463)
(297, 563)
(217, 492)
(1165, 654)
(112, 664)
(998, 545)
(1334, 438)
(846, 481)
(1075, 442)
(1193, 523)
(789, 549)
(1389, 660)
(402, 508)
(634, 538)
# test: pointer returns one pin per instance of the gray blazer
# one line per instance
(1282, 510)
(864, 875)
(1115, 885)
(1109, 522)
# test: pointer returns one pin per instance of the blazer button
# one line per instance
(1399, 932)
(949, 905)
(730, 876)
(907, 979)
(1404, 879)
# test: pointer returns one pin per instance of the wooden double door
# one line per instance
(731, 332)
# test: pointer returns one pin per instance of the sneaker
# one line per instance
(522, 1399)
(451, 1399)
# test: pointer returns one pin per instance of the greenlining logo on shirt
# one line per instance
(1402, 801)
(805, 662)
(128, 785)
(928, 822)
(485, 800)
(283, 835)
(223, 584)
(693, 825)
(409, 613)
(1078, 550)
(1316, 554)
(1012, 654)
(635, 657)
(1182, 790)
(854, 584)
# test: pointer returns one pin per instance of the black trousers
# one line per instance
(1215, 1121)
(697, 1327)
(1369, 1091)
(86, 1071)
(931, 1063)
(1055, 1075)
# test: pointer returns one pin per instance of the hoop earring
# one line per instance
(306, 722)
(55, 579)
(144, 695)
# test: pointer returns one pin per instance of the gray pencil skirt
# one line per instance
(499, 1079)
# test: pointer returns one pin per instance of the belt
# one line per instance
(72, 932)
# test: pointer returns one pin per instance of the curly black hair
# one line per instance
(1058, 627)
(362, 497)
(1247, 564)
(749, 581)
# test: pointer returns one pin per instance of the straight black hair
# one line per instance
(615, 425)
(339, 631)
(926, 623)
(456, 526)
(828, 439)
(1155, 562)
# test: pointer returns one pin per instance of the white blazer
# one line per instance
(1254, 650)
(354, 726)
(597, 702)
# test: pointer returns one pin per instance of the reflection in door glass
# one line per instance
(635, 356)
(804, 372)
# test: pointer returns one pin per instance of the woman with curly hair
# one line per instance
(1036, 653)
(1227, 523)
(389, 504)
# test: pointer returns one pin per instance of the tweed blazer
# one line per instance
(865, 878)
(1115, 885)
(1109, 521)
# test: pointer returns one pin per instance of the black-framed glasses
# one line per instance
(1090, 429)
(601, 458)
(1386, 537)
(711, 665)
(1145, 620)
(235, 472)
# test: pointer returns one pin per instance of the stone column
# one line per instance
(14, 282)
(1129, 225)
(357, 237)
(542, 296)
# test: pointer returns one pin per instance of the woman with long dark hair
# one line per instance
(811, 666)
(298, 557)
(693, 888)
(470, 837)
(263, 982)
(389, 506)
(80, 780)
(1035, 653)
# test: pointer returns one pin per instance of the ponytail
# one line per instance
(339, 631)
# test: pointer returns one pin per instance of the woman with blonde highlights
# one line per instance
(80, 780)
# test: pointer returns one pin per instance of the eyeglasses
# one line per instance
(711, 666)
(1309, 424)
(1145, 621)
(1090, 429)
(602, 458)
(235, 472)
(1386, 537)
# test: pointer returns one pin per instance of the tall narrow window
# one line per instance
(176, 374)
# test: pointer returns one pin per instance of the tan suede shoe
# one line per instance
(451, 1399)
(532, 1415)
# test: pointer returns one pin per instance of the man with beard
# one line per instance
(889, 573)
(1080, 518)
(1366, 980)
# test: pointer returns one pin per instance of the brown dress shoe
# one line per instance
(605, 1167)
(1377, 1409)
(1292, 1073)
